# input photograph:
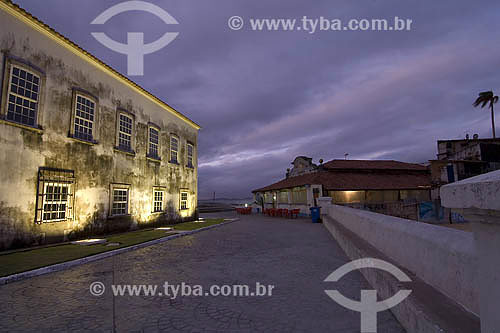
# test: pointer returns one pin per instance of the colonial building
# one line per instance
(347, 182)
(83, 149)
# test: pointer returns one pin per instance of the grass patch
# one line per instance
(186, 226)
(21, 261)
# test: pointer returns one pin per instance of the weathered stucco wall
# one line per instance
(96, 166)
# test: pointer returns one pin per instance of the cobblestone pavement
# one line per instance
(294, 255)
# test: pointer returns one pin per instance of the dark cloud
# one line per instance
(265, 97)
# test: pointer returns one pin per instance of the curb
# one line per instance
(76, 262)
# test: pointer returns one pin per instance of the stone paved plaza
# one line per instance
(293, 255)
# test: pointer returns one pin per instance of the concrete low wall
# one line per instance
(477, 199)
(480, 192)
(442, 257)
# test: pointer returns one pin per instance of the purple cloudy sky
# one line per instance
(263, 98)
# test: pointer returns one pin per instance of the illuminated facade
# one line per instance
(83, 149)
(347, 182)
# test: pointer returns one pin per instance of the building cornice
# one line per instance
(36, 24)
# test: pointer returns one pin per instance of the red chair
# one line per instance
(285, 213)
(279, 212)
(295, 212)
(244, 211)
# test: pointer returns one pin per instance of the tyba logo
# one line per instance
(368, 306)
(135, 49)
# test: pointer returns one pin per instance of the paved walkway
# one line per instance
(294, 255)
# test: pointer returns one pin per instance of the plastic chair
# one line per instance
(295, 212)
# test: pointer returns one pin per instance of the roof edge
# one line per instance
(471, 140)
(20, 13)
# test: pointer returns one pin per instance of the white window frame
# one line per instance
(158, 145)
(60, 178)
(14, 64)
(67, 210)
(78, 93)
(186, 201)
(119, 187)
(190, 159)
(172, 151)
(124, 133)
(161, 202)
(119, 113)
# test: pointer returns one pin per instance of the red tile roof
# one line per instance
(361, 175)
(372, 165)
(345, 181)
(373, 181)
(306, 179)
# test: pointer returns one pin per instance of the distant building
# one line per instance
(464, 158)
(347, 182)
(84, 150)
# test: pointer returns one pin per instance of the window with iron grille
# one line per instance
(84, 118)
(56, 200)
(184, 200)
(24, 90)
(125, 132)
(120, 201)
(174, 148)
(154, 143)
(158, 201)
(190, 149)
(54, 195)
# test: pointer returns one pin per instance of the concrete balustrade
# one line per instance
(464, 266)
(478, 200)
(444, 258)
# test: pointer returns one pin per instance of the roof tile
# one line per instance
(372, 165)
(361, 175)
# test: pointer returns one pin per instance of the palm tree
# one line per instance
(483, 100)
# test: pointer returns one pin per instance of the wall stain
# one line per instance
(96, 166)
